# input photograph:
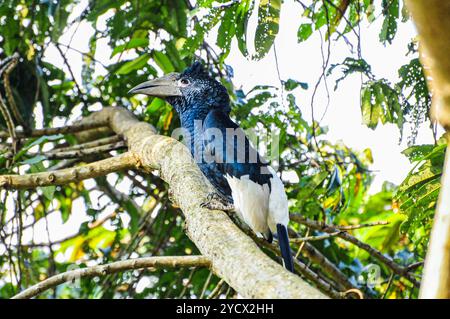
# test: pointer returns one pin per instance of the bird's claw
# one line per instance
(215, 197)
(216, 202)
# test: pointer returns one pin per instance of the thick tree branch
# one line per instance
(68, 175)
(433, 23)
(234, 256)
(101, 270)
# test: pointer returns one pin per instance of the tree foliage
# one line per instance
(130, 214)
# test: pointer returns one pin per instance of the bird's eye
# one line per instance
(184, 82)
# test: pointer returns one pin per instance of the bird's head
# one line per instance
(191, 90)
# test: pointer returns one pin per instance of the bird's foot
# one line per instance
(226, 207)
(216, 202)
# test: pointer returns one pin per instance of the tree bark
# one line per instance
(433, 23)
(74, 174)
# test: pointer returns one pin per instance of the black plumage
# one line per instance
(223, 152)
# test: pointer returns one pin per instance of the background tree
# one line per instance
(347, 243)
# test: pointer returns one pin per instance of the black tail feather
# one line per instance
(283, 241)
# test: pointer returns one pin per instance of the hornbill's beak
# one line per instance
(161, 87)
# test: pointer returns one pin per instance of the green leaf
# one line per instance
(34, 160)
(163, 62)
(418, 193)
(195, 40)
(350, 66)
(291, 85)
(38, 141)
(132, 44)
(178, 16)
(174, 55)
(48, 192)
(37, 168)
(155, 106)
(60, 21)
(380, 103)
(227, 30)
(304, 32)
(335, 180)
(389, 28)
(268, 25)
(405, 12)
(418, 152)
(370, 111)
(242, 15)
(135, 64)
(385, 236)
(45, 138)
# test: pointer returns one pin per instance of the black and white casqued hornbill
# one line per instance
(244, 181)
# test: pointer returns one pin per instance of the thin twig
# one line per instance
(391, 280)
(325, 63)
(74, 128)
(80, 153)
(216, 290)
(415, 265)
(90, 56)
(9, 121)
(300, 247)
(95, 143)
(80, 92)
(330, 269)
(314, 238)
(188, 282)
(205, 286)
(8, 91)
(351, 227)
(279, 74)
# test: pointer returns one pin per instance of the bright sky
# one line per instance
(303, 62)
(297, 61)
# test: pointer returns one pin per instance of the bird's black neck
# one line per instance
(193, 112)
(192, 118)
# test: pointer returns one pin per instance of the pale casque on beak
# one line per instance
(162, 87)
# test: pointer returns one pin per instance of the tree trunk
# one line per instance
(433, 23)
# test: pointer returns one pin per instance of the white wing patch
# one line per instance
(278, 203)
(258, 206)
(251, 202)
